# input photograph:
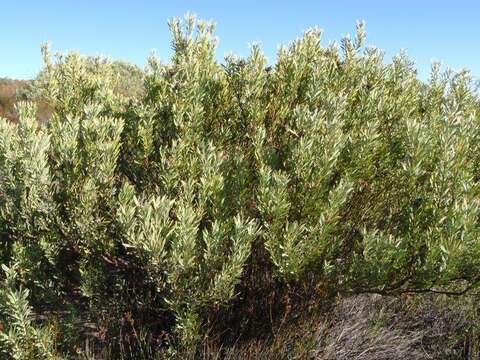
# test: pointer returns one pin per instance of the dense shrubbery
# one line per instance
(144, 217)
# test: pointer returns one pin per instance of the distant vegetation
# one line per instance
(325, 207)
(8, 97)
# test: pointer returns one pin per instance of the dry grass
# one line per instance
(363, 328)
(368, 327)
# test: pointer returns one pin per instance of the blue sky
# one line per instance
(129, 30)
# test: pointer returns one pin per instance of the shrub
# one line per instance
(144, 209)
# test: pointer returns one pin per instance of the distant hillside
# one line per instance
(129, 80)
(12, 91)
(8, 96)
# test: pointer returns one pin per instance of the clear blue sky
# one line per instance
(129, 30)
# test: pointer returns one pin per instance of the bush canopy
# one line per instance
(154, 202)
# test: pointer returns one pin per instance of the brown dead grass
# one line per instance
(371, 327)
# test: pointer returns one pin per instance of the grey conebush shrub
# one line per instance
(337, 167)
